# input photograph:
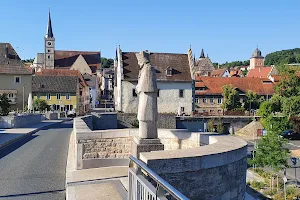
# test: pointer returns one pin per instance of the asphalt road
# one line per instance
(292, 145)
(34, 168)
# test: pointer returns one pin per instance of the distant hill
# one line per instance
(283, 57)
(232, 64)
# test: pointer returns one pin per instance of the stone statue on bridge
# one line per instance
(146, 89)
(147, 93)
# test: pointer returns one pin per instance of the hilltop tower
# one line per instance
(49, 46)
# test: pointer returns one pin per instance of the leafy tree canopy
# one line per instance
(232, 64)
(283, 57)
(107, 62)
(30, 60)
(231, 98)
(40, 105)
(252, 100)
(4, 105)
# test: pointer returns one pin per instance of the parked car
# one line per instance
(71, 113)
(290, 134)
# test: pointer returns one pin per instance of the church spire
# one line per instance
(202, 54)
(49, 33)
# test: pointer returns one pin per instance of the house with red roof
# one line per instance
(208, 91)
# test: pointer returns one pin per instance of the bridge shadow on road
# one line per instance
(17, 144)
(59, 126)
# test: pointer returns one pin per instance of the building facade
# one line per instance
(63, 90)
(208, 92)
(174, 82)
(15, 78)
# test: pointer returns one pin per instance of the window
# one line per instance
(134, 93)
(181, 93)
(197, 100)
(211, 100)
(182, 109)
(57, 96)
(48, 96)
(219, 101)
(48, 56)
(57, 107)
(169, 71)
(211, 111)
(17, 79)
(49, 50)
(68, 96)
(220, 111)
(10, 95)
(158, 92)
(204, 100)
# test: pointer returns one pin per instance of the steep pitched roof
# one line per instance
(204, 64)
(10, 62)
(90, 79)
(54, 84)
(67, 58)
(49, 33)
(160, 61)
(214, 85)
(259, 72)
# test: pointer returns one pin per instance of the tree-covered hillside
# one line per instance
(283, 57)
(232, 64)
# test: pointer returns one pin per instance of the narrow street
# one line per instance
(34, 168)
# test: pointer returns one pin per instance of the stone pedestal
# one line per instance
(145, 145)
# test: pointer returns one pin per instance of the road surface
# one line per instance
(34, 168)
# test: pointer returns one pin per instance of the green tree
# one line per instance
(107, 62)
(231, 98)
(271, 152)
(289, 84)
(283, 57)
(210, 125)
(291, 106)
(40, 105)
(4, 105)
(220, 127)
(252, 100)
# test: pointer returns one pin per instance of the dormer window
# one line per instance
(169, 71)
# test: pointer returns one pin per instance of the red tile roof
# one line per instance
(214, 85)
(218, 72)
(259, 72)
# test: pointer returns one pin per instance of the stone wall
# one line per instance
(167, 121)
(106, 148)
(214, 171)
(19, 121)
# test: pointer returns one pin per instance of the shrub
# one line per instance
(257, 185)
(4, 105)
(220, 127)
(40, 105)
(210, 125)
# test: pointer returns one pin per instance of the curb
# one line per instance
(6, 144)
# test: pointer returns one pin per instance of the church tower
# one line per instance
(257, 60)
(49, 46)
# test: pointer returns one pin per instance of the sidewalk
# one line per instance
(8, 136)
(95, 183)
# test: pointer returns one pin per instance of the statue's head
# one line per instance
(144, 58)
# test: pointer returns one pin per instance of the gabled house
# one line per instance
(174, 82)
(69, 90)
(204, 66)
(262, 72)
(15, 78)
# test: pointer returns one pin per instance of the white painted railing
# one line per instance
(144, 184)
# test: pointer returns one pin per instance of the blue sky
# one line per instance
(227, 30)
